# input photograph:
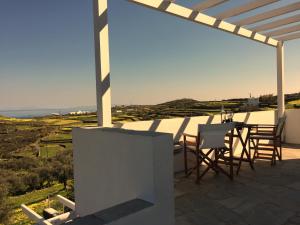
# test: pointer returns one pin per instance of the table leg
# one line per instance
(244, 150)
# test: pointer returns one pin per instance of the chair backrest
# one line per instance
(213, 135)
(280, 125)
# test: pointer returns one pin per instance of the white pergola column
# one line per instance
(101, 36)
(280, 79)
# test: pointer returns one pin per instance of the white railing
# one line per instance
(57, 220)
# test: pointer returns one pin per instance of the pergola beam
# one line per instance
(289, 37)
(244, 8)
(200, 18)
(277, 23)
(269, 14)
(207, 4)
(283, 31)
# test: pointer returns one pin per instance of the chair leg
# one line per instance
(198, 165)
(273, 162)
(255, 153)
(278, 153)
(231, 163)
(185, 159)
(216, 160)
(280, 149)
(202, 175)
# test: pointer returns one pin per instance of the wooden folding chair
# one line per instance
(265, 139)
(209, 147)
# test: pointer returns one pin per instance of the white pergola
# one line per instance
(274, 34)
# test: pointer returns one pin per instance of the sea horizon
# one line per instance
(39, 112)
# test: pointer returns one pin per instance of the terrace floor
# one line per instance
(266, 196)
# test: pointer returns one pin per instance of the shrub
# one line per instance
(4, 206)
(16, 185)
(32, 181)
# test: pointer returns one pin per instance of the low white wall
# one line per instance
(292, 126)
(113, 166)
(177, 126)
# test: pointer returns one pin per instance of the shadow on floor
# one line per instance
(266, 196)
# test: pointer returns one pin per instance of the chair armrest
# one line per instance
(263, 137)
(261, 125)
(189, 135)
(263, 129)
(266, 127)
(262, 133)
(189, 142)
(177, 142)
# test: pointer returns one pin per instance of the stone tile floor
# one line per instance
(267, 196)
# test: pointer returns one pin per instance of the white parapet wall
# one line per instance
(177, 126)
(113, 166)
(292, 126)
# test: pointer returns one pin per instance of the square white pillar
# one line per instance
(280, 80)
(101, 37)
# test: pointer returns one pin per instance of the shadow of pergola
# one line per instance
(268, 195)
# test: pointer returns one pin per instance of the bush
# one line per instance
(23, 163)
(4, 206)
(269, 99)
(16, 185)
(45, 177)
(32, 181)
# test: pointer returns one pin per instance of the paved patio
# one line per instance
(266, 196)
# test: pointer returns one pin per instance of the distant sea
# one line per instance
(29, 113)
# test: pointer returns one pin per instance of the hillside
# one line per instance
(36, 154)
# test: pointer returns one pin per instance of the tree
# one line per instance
(62, 173)
(269, 99)
(16, 185)
(32, 181)
(44, 174)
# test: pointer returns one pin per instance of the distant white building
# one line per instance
(79, 113)
(253, 101)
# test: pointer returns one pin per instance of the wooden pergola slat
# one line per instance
(283, 31)
(277, 23)
(289, 37)
(244, 8)
(197, 17)
(269, 14)
(207, 4)
(193, 14)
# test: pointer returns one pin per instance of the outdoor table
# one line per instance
(245, 152)
(237, 132)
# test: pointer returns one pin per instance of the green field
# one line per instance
(30, 146)
(36, 200)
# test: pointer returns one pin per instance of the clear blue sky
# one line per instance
(47, 58)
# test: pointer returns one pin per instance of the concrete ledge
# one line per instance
(114, 213)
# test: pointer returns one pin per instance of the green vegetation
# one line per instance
(36, 154)
(48, 151)
(5, 208)
(35, 196)
(37, 200)
(297, 102)
(32, 164)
